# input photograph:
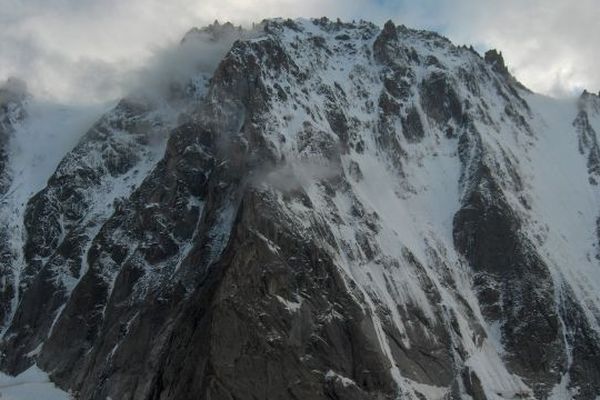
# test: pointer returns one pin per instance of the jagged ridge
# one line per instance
(346, 212)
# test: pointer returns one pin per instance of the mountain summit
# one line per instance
(337, 211)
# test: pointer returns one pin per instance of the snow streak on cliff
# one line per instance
(333, 210)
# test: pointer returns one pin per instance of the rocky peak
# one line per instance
(589, 102)
(349, 212)
(13, 92)
(13, 89)
(495, 59)
(385, 43)
(215, 31)
(389, 31)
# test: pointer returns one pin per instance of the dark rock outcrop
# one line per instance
(342, 213)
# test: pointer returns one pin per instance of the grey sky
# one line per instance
(74, 50)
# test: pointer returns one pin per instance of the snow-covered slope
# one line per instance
(338, 211)
(37, 144)
(31, 384)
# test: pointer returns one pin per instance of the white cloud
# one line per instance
(550, 45)
(84, 50)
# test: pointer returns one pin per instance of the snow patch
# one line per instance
(292, 306)
(29, 385)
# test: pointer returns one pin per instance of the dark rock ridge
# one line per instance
(587, 137)
(13, 96)
(344, 212)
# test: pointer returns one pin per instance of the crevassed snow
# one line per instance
(32, 384)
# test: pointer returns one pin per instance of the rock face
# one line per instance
(12, 112)
(60, 221)
(12, 97)
(343, 212)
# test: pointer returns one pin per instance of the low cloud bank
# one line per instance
(88, 51)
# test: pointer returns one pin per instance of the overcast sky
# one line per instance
(74, 50)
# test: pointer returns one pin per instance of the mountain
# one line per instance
(337, 211)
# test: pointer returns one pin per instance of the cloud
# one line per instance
(549, 45)
(86, 50)
(170, 67)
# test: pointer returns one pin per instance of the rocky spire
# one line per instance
(495, 59)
